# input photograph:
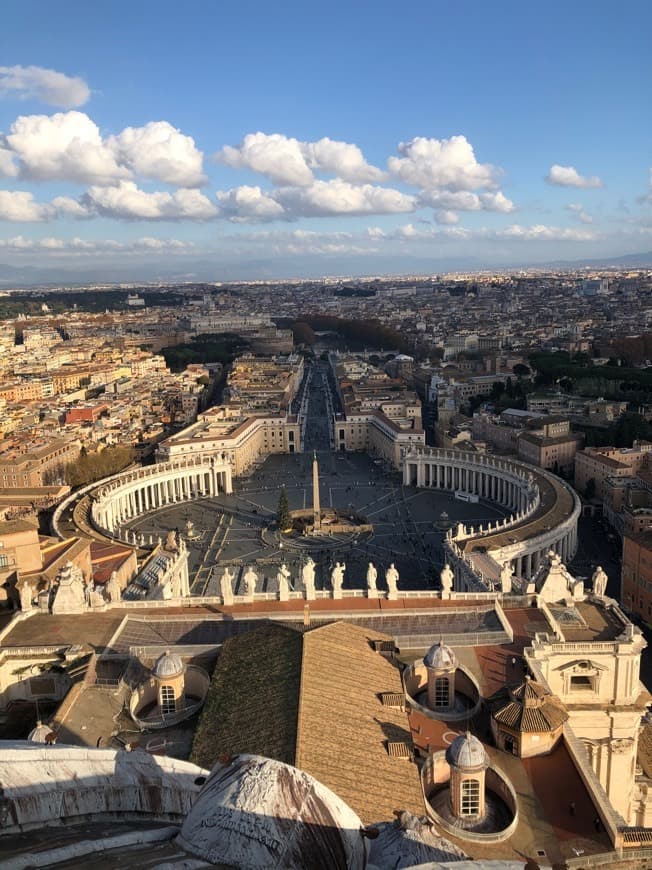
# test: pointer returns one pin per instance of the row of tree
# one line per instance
(94, 466)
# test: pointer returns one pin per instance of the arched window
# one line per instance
(168, 704)
(470, 797)
(441, 692)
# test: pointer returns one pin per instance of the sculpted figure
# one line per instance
(226, 586)
(26, 594)
(372, 575)
(337, 576)
(308, 578)
(506, 578)
(249, 580)
(446, 578)
(391, 578)
(283, 579)
(599, 581)
(113, 588)
(171, 542)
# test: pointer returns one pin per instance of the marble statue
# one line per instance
(391, 578)
(113, 588)
(446, 578)
(283, 579)
(599, 581)
(70, 595)
(171, 542)
(308, 578)
(506, 578)
(337, 576)
(226, 586)
(250, 580)
(372, 574)
(26, 594)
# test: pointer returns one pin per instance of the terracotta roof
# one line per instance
(528, 707)
(313, 700)
(344, 729)
(253, 698)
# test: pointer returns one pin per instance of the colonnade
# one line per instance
(133, 493)
(514, 486)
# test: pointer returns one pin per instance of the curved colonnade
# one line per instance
(545, 509)
(127, 495)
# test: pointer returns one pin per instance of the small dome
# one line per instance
(40, 733)
(440, 657)
(168, 665)
(467, 751)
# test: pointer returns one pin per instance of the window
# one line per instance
(168, 704)
(441, 692)
(470, 797)
(581, 684)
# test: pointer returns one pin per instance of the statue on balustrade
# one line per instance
(308, 578)
(372, 575)
(283, 580)
(391, 578)
(249, 581)
(599, 582)
(506, 578)
(113, 588)
(446, 577)
(337, 576)
(226, 586)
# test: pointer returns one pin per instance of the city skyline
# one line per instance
(266, 143)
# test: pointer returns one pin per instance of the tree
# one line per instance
(521, 370)
(284, 519)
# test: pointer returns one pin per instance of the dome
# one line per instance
(440, 657)
(528, 707)
(40, 734)
(168, 665)
(255, 812)
(467, 751)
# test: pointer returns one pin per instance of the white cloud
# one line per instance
(515, 232)
(69, 207)
(289, 161)
(19, 244)
(338, 197)
(443, 216)
(47, 85)
(578, 212)
(279, 157)
(540, 232)
(8, 167)
(465, 200)
(342, 159)
(126, 201)
(67, 145)
(568, 176)
(158, 150)
(434, 164)
(247, 204)
(19, 206)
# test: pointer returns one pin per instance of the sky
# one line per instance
(253, 140)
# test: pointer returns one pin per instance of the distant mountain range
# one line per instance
(270, 269)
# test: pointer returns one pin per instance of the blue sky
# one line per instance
(271, 140)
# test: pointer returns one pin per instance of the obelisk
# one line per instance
(316, 510)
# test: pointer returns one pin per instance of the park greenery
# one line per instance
(206, 348)
(577, 373)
